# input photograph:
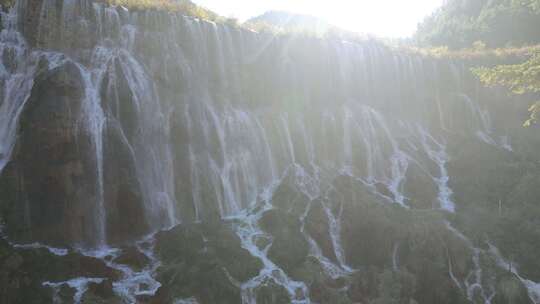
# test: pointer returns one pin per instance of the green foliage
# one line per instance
(395, 287)
(389, 288)
(474, 25)
(498, 23)
(519, 78)
(478, 52)
(532, 4)
(7, 3)
(183, 6)
(510, 289)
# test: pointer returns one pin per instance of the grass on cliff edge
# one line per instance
(181, 6)
(478, 51)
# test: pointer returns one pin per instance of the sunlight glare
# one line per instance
(385, 18)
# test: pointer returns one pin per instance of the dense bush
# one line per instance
(184, 6)
(498, 23)
(519, 78)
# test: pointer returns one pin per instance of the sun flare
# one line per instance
(385, 18)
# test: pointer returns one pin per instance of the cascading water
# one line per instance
(533, 288)
(17, 72)
(484, 130)
(440, 157)
(367, 117)
(395, 257)
(333, 270)
(249, 233)
(335, 235)
(151, 145)
(79, 284)
(94, 120)
(132, 283)
(474, 282)
(20, 65)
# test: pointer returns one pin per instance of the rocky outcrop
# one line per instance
(51, 187)
(48, 182)
(25, 269)
(207, 263)
(318, 227)
(289, 247)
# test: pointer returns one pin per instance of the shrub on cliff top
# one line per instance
(519, 78)
(479, 51)
(7, 3)
(183, 6)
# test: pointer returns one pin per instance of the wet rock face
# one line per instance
(318, 227)
(50, 171)
(50, 188)
(289, 247)
(203, 262)
(505, 193)
(271, 293)
(123, 199)
(511, 291)
(100, 293)
(25, 270)
(51, 24)
(133, 258)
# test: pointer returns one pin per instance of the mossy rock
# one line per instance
(289, 247)
(318, 227)
(289, 199)
(204, 262)
(133, 258)
(22, 270)
(510, 290)
(271, 293)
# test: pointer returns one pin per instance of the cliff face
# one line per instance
(298, 169)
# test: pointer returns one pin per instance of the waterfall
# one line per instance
(232, 115)
(249, 232)
(333, 270)
(94, 120)
(151, 146)
(17, 69)
(335, 236)
(79, 284)
(245, 149)
(440, 157)
(533, 288)
(484, 129)
(474, 282)
(395, 258)
(132, 283)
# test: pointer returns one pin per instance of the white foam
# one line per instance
(533, 288)
(474, 282)
(437, 153)
(186, 301)
(249, 233)
(132, 283)
(53, 250)
(79, 284)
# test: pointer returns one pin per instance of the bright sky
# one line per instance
(386, 18)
